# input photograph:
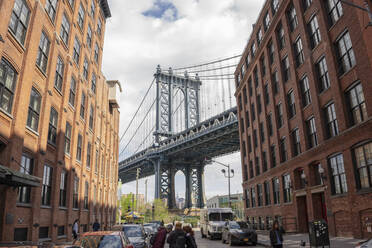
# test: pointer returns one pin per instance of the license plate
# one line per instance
(246, 240)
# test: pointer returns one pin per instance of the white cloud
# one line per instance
(204, 30)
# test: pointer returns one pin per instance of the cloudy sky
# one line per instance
(144, 33)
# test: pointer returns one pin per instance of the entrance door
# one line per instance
(302, 214)
(319, 206)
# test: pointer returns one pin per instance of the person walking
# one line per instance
(75, 229)
(276, 235)
(190, 239)
(159, 238)
(96, 226)
(177, 238)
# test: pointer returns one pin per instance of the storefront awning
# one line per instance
(14, 178)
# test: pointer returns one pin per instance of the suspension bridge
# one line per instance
(187, 116)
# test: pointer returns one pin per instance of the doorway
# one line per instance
(302, 214)
(319, 206)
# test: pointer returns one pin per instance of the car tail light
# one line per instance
(129, 246)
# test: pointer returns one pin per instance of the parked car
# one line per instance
(238, 232)
(103, 239)
(136, 235)
(365, 244)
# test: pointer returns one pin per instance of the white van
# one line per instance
(212, 221)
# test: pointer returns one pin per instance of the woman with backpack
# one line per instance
(190, 239)
(177, 238)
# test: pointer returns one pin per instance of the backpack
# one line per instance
(180, 241)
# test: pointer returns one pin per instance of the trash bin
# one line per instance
(318, 233)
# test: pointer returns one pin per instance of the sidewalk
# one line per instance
(294, 240)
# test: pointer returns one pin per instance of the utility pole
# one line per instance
(365, 8)
(137, 176)
(145, 191)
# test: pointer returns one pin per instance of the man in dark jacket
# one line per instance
(96, 226)
(177, 238)
(159, 239)
(276, 235)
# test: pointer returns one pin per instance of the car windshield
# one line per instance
(214, 217)
(133, 231)
(234, 225)
(148, 228)
(243, 225)
(99, 241)
(227, 216)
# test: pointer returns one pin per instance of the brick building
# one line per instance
(304, 96)
(59, 120)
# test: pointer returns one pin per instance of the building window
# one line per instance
(71, 3)
(331, 120)
(255, 141)
(314, 31)
(26, 167)
(247, 60)
(93, 8)
(259, 105)
(89, 36)
(291, 104)
(323, 76)
(19, 20)
(262, 132)
(91, 116)
(94, 82)
(281, 38)
(259, 37)
(251, 173)
(71, 98)
(96, 53)
(43, 52)
(276, 191)
(59, 74)
(82, 106)
(75, 195)
(76, 52)
(53, 122)
(245, 172)
(296, 142)
(287, 188)
(263, 66)
(246, 192)
(338, 183)
(267, 193)
(266, 21)
(306, 4)
(242, 129)
(285, 69)
(345, 52)
(20, 234)
(259, 195)
(63, 190)
(299, 52)
(253, 112)
(61, 231)
(249, 144)
(89, 150)
(305, 91)
(253, 49)
(279, 113)
(34, 110)
(273, 155)
(275, 80)
(68, 138)
(65, 29)
(270, 124)
(86, 195)
(97, 161)
(257, 164)
(247, 118)
(271, 49)
(283, 150)
(253, 197)
(79, 146)
(292, 17)
(334, 11)
(264, 161)
(43, 232)
(363, 159)
(46, 191)
(274, 6)
(85, 69)
(250, 89)
(51, 8)
(312, 139)
(356, 104)
(81, 16)
(99, 27)
(266, 94)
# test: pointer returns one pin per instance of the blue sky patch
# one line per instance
(162, 9)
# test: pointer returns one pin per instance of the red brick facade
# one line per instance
(291, 148)
(36, 133)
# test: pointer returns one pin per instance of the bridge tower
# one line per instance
(167, 84)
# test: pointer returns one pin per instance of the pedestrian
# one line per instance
(96, 226)
(158, 240)
(276, 235)
(190, 239)
(169, 228)
(75, 229)
(177, 238)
